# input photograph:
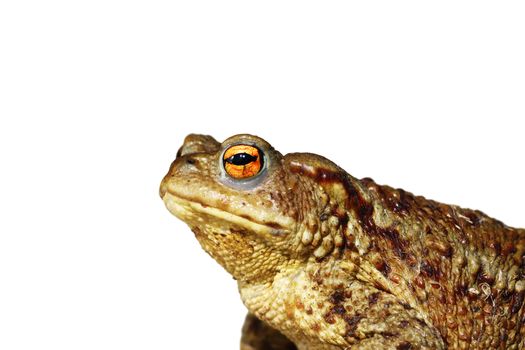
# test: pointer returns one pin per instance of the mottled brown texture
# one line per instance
(326, 261)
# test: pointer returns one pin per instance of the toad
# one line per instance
(325, 261)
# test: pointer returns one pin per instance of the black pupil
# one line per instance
(241, 159)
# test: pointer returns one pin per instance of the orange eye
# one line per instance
(242, 161)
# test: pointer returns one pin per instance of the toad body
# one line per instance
(326, 261)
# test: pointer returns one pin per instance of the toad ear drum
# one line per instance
(242, 161)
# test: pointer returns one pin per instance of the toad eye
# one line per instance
(242, 161)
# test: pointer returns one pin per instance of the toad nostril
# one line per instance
(190, 161)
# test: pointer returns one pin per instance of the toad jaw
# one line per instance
(195, 213)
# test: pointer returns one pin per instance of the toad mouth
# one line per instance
(185, 208)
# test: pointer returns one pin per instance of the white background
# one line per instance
(97, 96)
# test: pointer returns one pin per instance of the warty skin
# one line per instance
(326, 261)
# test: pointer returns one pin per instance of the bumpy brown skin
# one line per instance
(326, 261)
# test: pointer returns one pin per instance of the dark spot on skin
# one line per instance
(323, 217)
(403, 324)
(383, 267)
(505, 295)
(349, 241)
(517, 302)
(337, 297)
(404, 346)
(462, 290)
(339, 309)
(421, 322)
(473, 218)
(447, 253)
(411, 260)
(482, 277)
(372, 298)
(329, 317)
(508, 248)
(406, 306)
(418, 281)
(364, 212)
(351, 324)
(430, 270)
(427, 269)
(309, 310)
(343, 218)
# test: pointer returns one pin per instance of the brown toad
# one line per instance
(327, 261)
